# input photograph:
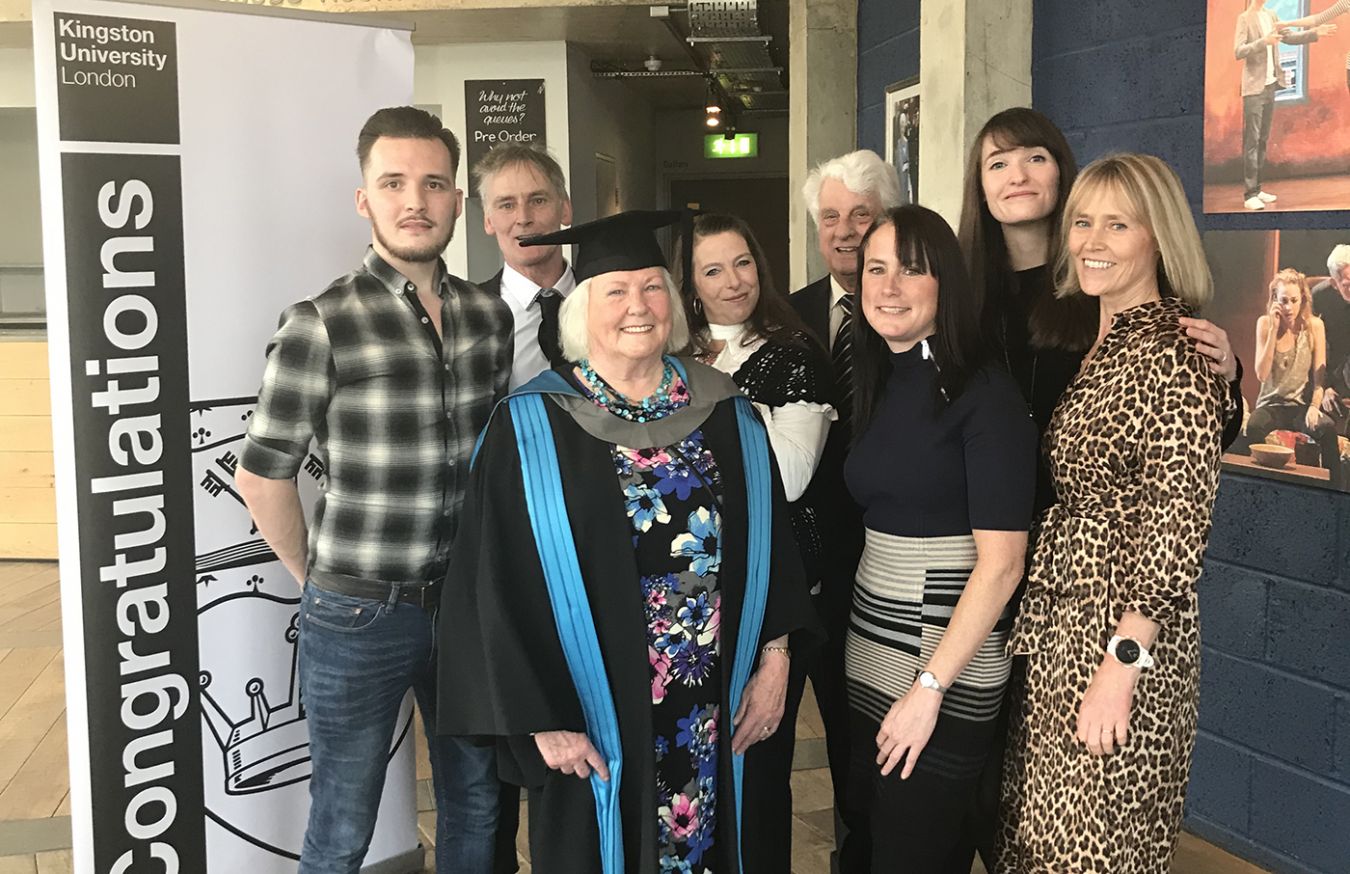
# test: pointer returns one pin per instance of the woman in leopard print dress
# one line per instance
(1099, 749)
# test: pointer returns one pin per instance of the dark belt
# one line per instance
(424, 595)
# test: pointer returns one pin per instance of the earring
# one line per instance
(698, 306)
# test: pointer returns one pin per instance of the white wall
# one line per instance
(438, 79)
(16, 77)
(20, 221)
(20, 224)
(610, 117)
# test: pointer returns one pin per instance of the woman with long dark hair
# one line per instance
(742, 326)
(943, 466)
(1018, 177)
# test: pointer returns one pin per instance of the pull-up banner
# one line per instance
(128, 346)
(197, 169)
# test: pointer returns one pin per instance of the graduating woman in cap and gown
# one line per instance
(625, 591)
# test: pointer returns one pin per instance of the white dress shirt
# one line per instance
(519, 294)
(837, 292)
(797, 431)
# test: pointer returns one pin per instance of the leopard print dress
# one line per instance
(1134, 452)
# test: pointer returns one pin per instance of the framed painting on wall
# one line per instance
(1283, 296)
(1277, 106)
(902, 136)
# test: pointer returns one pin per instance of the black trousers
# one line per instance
(1256, 112)
(851, 821)
(768, 781)
(980, 825)
(768, 764)
(508, 823)
(917, 824)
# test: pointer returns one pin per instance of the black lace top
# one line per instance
(779, 373)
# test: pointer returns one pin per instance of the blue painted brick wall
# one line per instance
(888, 52)
(1271, 778)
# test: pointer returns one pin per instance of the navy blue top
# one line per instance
(925, 468)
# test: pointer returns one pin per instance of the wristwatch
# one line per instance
(929, 681)
(1129, 652)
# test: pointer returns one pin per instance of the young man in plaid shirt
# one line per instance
(392, 371)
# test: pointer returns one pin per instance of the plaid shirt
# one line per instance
(359, 369)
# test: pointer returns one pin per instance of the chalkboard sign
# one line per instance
(502, 111)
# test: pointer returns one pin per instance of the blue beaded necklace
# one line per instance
(655, 406)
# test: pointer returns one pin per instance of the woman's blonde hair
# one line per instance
(1290, 276)
(575, 339)
(1153, 194)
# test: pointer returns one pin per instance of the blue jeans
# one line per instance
(358, 658)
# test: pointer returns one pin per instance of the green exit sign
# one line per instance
(739, 146)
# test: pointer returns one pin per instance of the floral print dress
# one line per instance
(671, 494)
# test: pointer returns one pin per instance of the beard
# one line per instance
(428, 251)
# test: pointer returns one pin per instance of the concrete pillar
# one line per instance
(823, 110)
(974, 60)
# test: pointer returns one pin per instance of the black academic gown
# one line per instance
(502, 670)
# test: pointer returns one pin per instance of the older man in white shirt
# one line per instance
(524, 194)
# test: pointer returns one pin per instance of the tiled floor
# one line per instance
(34, 787)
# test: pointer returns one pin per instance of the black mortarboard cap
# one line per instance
(624, 241)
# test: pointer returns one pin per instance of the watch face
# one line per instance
(1127, 651)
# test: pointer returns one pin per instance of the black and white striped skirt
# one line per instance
(907, 588)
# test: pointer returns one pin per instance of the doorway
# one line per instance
(761, 200)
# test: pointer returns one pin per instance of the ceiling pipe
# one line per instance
(646, 74)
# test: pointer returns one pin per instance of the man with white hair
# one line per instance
(844, 196)
(1331, 303)
(524, 193)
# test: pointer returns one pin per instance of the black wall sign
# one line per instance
(501, 111)
(116, 79)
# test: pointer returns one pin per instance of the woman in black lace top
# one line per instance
(742, 326)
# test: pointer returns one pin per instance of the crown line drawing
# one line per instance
(270, 747)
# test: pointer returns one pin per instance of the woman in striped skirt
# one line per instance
(943, 465)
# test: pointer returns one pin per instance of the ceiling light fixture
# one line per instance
(712, 105)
